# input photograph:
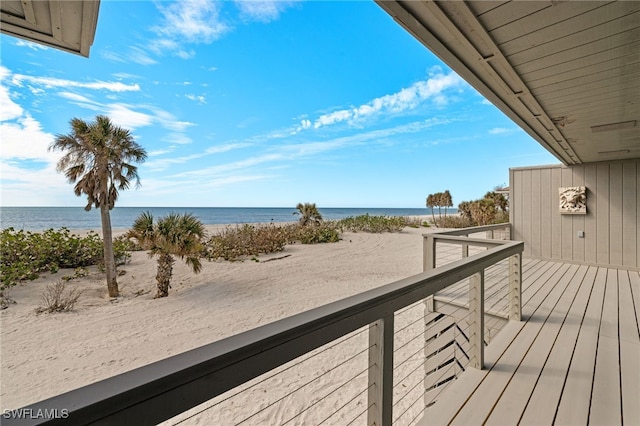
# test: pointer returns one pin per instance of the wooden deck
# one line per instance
(573, 359)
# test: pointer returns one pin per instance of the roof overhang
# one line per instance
(65, 25)
(568, 73)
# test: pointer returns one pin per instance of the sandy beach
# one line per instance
(43, 355)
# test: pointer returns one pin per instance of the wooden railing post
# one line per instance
(429, 263)
(476, 315)
(428, 253)
(515, 287)
(380, 392)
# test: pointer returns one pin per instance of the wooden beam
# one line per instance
(56, 19)
(27, 8)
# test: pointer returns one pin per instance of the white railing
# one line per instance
(164, 389)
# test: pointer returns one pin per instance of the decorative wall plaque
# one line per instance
(573, 200)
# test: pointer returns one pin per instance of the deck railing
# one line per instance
(476, 281)
(164, 389)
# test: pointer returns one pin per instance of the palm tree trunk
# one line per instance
(163, 275)
(109, 261)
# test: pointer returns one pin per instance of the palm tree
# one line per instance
(308, 214)
(447, 201)
(499, 200)
(97, 159)
(431, 203)
(172, 235)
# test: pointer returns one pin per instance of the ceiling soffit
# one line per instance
(555, 68)
(68, 25)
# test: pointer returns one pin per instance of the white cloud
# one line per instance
(164, 163)
(130, 116)
(177, 138)
(499, 131)
(123, 115)
(139, 56)
(199, 98)
(408, 98)
(227, 147)
(31, 187)
(184, 22)
(332, 118)
(9, 110)
(30, 45)
(201, 22)
(215, 171)
(75, 97)
(25, 140)
(262, 10)
(135, 54)
(169, 121)
(50, 82)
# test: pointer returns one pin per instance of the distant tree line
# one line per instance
(490, 209)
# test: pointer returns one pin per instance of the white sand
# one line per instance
(47, 354)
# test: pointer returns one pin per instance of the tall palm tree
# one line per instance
(172, 235)
(447, 201)
(431, 203)
(98, 157)
(308, 213)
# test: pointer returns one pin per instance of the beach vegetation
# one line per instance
(79, 272)
(59, 297)
(493, 208)
(233, 243)
(374, 224)
(172, 235)
(309, 214)
(453, 222)
(323, 232)
(98, 158)
(24, 254)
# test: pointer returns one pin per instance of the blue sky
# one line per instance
(257, 103)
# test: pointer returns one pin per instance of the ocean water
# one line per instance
(42, 218)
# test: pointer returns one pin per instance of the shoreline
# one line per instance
(43, 218)
(211, 229)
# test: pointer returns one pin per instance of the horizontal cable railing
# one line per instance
(373, 322)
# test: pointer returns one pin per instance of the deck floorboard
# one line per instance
(573, 359)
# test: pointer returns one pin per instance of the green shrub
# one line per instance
(233, 243)
(122, 248)
(453, 222)
(246, 240)
(25, 254)
(323, 232)
(374, 224)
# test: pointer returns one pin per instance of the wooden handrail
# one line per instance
(164, 389)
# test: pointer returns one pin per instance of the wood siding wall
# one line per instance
(611, 230)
